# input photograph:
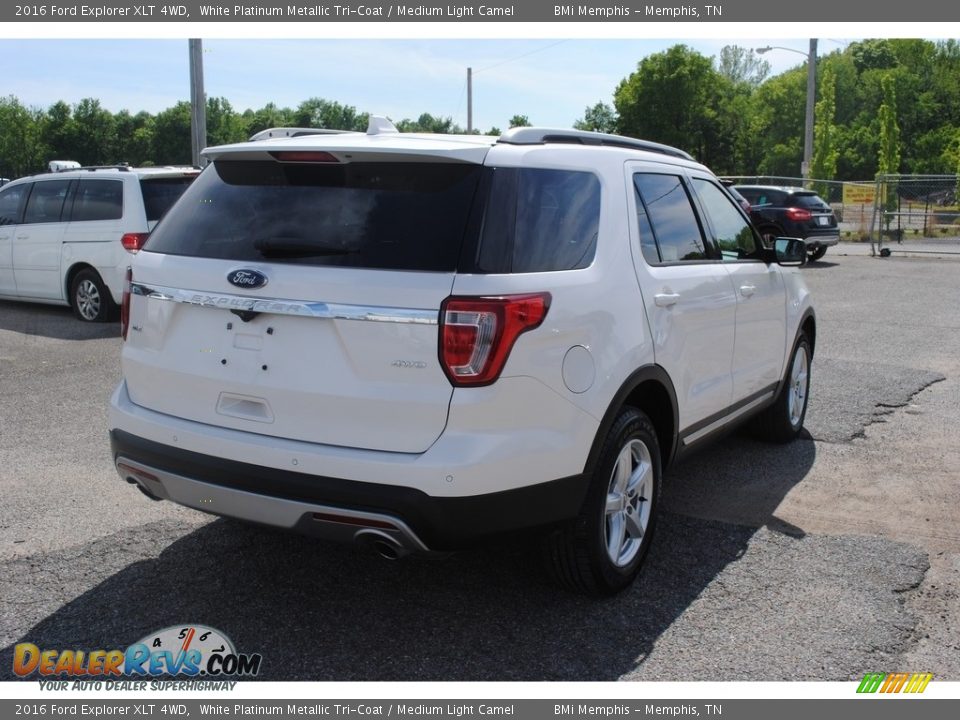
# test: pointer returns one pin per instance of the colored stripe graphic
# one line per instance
(895, 682)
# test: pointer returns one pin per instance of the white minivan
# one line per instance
(66, 237)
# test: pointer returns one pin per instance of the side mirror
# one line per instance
(790, 251)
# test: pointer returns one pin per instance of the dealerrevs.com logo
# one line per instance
(190, 651)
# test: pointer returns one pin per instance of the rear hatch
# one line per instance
(297, 293)
(822, 216)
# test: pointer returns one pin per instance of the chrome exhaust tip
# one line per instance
(382, 544)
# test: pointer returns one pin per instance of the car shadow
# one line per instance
(330, 613)
(819, 264)
(53, 321)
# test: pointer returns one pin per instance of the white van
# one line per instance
(66, 236)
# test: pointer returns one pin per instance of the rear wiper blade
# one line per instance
(293, 247)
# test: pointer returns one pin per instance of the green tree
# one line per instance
(20, 146)
(269, 116)
(134, 137)
(171, 136)
(58, 132)
(888, 159)
(671, 98)
(519, 121)
(742, 65)
(427, 123)
(94, 134)
(825, 153)
(224, 124)
(319, 113)
(599, 118)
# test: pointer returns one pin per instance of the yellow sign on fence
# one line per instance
(859, 194)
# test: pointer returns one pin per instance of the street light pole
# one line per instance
(811, 102)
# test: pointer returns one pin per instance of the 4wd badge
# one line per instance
(245, 278)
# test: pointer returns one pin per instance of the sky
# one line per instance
(552, 81)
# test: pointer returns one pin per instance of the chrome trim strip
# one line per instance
(278, 306)
(704, 431)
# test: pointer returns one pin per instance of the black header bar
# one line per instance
(374, 11)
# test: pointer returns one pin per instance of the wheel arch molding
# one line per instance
(649, 389)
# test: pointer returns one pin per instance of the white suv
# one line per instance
(422, 341)
(66, 237)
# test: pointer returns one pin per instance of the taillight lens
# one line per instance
(799, 214)
(125, 304)
(478, 333)
(132, 242)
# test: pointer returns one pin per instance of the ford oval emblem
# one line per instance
(246, 278)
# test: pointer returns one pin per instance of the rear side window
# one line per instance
(397, 216)
(98, 200)
(159, 194)
(45, 203)
(11, 203)
(666, 213)
(539, 221)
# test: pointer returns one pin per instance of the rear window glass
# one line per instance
(809, 201)
(539, 221)
(160, 193)
(98, 200)
(398, 216)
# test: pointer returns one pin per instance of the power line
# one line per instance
(518, 57)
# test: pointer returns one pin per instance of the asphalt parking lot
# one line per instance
(822, 560)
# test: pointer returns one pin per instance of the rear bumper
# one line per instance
(338, 509)
(815, 241)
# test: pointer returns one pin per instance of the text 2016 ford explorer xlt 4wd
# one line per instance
(423, 341)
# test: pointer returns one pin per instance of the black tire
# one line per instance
(90, 298)
(580, 554)
(783, 421)
(818, 253)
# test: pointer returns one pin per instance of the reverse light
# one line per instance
(478, 333)
(799, 214)
(125, 304)
(133, 242)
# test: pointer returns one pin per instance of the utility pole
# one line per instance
(198, 103)
(811, 102)
(469, 100)
(805, 166)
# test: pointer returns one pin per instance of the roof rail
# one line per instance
(542, 136)
(119, 166)
(292, 132)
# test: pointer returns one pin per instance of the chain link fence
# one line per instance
(920, 212)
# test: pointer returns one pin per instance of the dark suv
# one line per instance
(792, 212)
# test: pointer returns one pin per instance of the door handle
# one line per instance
(748, 290)
(665, 299)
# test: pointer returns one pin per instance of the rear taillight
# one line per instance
(799, 214)
(477, 333)
(125, 304)
(132, 242)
